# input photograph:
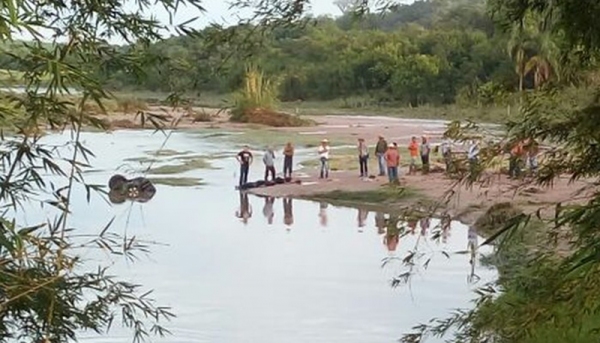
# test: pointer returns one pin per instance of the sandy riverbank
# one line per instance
(334, 127)
(464, 204)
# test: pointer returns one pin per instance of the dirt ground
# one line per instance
(465, 204)
(330, 126)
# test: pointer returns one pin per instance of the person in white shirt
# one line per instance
(363, 157)
(473, 154)
(324, 158)
(446, 149)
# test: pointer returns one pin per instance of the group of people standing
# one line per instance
(244, 213)
(523, 153)
(245, 159)
(388, 157)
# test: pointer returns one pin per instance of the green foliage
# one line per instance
(413, 54)
(382, 195)
(426, 52)
(258, 93)
(539, 296)
(48, 294)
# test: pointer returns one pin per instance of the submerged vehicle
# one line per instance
(122, 189)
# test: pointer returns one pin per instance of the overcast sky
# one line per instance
(218, 11)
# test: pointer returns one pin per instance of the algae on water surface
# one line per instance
(178, 181)
(187, 165)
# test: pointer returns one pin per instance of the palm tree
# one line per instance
(516, 49)
(544, 64)
(541, 69)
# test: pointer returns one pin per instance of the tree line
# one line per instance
(427, 52)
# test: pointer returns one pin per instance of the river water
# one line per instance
(238, 268)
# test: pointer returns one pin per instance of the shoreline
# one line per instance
(434, 189)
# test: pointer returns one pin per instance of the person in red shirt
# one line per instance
(392, 159)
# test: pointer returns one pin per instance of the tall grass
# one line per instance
(258, 93)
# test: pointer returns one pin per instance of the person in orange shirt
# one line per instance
(514, 163)
(392, 159)
(413, 148)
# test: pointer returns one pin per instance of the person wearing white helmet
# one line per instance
(324, 158)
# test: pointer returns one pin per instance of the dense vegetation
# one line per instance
(542, 296)
(427, 52)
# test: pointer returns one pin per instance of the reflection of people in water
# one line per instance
(392, 236)
(412, 225)
(380, 222)
(472, 246)
(445, 226)
(424, 223)
(362, 217)
(245, 211)
(288, 213)
(268, 209)
(323, 213)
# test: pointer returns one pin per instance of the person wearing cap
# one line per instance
(425, 149)
(363, 157)
(392, 159)
(380, 150)
(324, 158)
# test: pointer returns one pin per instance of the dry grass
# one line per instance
(273, 118)
(199, 116)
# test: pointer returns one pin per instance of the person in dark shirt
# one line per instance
(380, 150)
(245, 158)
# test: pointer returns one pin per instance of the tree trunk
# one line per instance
(521, 82)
